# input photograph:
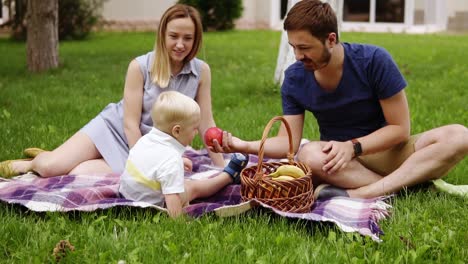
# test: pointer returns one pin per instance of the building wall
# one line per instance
(457, 14)
(145, 14)
(139, 15)
(260, 14)
(257, 14)
(4, 12)
(135, 10)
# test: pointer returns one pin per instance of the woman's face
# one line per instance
(180, 36)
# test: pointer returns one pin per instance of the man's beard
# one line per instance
(320, 64)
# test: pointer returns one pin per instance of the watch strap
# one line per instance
(357, 147)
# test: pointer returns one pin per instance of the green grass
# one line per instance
(45, 109)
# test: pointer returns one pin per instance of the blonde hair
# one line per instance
(174, 108)
(161, 71)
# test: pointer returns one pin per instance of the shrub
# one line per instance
(76, 18)
(217, 15)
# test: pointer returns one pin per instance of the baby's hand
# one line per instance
(188, 165)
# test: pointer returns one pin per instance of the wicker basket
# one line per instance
(288, 196)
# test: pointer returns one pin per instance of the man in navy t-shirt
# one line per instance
(356, 93)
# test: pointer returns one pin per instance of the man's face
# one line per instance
(309, 49)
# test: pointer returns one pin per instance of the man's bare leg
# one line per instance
(353, 176)
(436, 152)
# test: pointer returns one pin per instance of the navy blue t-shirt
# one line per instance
(352, 110)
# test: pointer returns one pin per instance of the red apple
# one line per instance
(213, 133)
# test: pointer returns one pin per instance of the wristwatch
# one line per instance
(357, 147)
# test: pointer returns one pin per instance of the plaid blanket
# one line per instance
(100, 191)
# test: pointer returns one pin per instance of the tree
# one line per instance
(42, 35)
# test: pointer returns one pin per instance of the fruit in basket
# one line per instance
(283, 178)
(213, 133)
(288, 170)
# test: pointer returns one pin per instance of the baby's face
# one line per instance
(188, 131)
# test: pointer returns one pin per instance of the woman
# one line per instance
(103, 144)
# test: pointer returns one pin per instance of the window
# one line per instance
(390, 11)
(356, 11)
(284, 8)
(383, 11)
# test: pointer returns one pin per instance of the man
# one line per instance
(356, 92)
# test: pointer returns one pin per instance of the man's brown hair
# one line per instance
(314, 16)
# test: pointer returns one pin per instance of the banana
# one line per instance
(283, 178)
(289, 170)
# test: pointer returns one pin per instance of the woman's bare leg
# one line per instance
(77, 154)
(91, 166)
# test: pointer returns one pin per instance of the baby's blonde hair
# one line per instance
(174, 108)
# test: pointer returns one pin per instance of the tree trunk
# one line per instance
(42, 35)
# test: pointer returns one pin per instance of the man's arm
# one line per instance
(397, 130)
(275, 147)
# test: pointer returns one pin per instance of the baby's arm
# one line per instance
(173, 204)
(188, 164)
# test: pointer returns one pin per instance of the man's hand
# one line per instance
(339, 154)
(230, 144)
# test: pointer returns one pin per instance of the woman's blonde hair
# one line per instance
(161, 71)
(174, 108)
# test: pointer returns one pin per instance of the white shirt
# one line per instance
(154, 167)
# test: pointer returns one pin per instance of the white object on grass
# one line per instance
(458, 190)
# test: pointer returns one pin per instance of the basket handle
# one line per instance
(290, 154)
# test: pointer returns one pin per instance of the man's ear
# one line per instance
(331, 39)
(175, 131)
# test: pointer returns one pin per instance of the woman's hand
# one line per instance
(339, 154)
(188, 164)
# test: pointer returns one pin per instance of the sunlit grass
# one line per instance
(44, 110)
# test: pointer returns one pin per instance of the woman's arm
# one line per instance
(133, 103)
(203, 99)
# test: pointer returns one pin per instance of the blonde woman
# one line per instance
(103, 144)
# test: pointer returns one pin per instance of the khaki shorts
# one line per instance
(387, 161)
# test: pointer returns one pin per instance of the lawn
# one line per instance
(45, 109)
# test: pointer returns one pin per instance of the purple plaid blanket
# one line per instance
(91, 192)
